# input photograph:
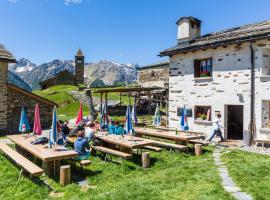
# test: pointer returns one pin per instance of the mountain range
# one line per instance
(107, 71)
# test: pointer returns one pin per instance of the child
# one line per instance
(111, 127)
(217, 129)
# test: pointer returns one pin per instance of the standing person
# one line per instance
(82, 146)
(217, 129)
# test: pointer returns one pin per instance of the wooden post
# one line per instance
(65, 175)
(198, 149)
(146, 160)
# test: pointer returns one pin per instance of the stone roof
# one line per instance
(160, 64)
(54, 77)
(5, 54)
(190, 18)
(250, 32)
(79, 53)
(32, 95)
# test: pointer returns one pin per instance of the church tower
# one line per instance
(79, 67)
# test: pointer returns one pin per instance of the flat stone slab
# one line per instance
(241, 196)
(227, 181)
(232, 189)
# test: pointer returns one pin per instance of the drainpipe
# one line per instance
(252, 126)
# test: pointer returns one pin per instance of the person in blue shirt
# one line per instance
(111, 127)
(81, 145)
(119, 130)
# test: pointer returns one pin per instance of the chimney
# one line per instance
(189, 28)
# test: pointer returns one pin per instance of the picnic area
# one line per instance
(127, 159)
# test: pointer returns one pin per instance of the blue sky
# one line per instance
(119, 30)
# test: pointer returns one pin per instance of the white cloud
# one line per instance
(67, 2)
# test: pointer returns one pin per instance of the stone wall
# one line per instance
(16, 101)
(229, 85)
(3, 96)
(151, 77)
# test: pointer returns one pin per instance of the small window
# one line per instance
(266, 62)
(203, 68)
(79, 61)
(202, 113)
(265, 114)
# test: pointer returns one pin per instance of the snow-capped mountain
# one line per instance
(22, 65)
(111, 72)
(107, 71)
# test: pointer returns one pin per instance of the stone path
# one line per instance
(227, 181)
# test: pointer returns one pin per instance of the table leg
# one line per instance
(125, 149)
(51, 168)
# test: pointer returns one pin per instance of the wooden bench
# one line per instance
(202, 142)
(152, 148)
(169, 145)
(108, 151)
(24, 163)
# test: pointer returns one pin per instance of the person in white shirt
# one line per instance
(89, 131)
(217, 129)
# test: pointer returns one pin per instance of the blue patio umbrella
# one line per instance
(24, 124)
(128, 124)
(156, 120)
(184, 122)
(104, 116)
(53, 132)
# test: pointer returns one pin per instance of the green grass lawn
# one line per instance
(250, 171)
(171, 176)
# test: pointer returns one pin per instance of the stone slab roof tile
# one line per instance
(234, 35)
(5, 54)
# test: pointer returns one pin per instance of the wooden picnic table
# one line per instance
(126, 143)
(169, 135)
(50, 157)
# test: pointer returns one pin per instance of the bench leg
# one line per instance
(20, 174)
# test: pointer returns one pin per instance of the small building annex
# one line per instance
(13, 98)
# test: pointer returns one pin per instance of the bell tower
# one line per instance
(79, 67)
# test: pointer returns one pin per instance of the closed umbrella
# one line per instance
(24, 125)
(53, 133)
(80, 115)
(104, 116)
(37, 125)
(184, 122)
(128, 124)
(133, 114)
(156, 121)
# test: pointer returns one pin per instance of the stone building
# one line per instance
(12, 98)
(154, 75)
(66, 77)
(226, 72)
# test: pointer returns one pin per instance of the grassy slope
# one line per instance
(251, 172)
(171, 176)
(68, 106)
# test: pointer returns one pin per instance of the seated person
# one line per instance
(119, 130)
(97, 125)
(89, 131)
(82, 146)
(64, 128)
(111, 127)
